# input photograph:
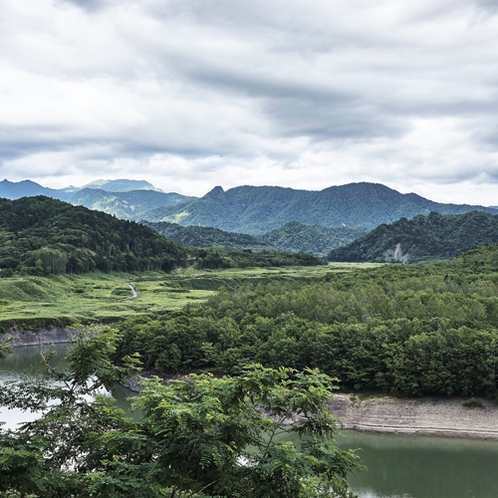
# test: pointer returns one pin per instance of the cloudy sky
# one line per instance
(189, 94)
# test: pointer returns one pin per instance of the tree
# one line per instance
(204, 436)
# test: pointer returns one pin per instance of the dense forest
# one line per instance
(410, 330)
(43, 236)
(422, 238)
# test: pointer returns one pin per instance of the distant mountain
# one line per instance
(27, 188)
(421, 239)
(122, 185)
(130, 198)
(255, 210)
(209, 237)
(126, 205)
(312, 239)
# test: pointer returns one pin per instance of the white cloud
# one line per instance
(189, 94)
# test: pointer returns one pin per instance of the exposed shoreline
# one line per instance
(430, 416)
(22, 338)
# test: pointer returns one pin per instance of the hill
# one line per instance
(122, 185)
(312, 239)
(40, 235)
(208, 237)
(255, 210)
(421, 239)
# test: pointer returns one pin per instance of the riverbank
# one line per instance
(56, 335)
(430, 416)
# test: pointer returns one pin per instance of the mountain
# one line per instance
(42, 236)
(312, 239)
(126, 205)
(128, 200)
(422, 238)
(255, 210)
(121, 185)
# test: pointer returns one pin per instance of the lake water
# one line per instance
(398, 466)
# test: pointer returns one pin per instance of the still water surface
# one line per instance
(398, 466)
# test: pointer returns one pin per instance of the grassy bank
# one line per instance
(36, 302)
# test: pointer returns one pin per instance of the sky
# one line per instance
(190, 94)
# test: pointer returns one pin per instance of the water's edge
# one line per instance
(56, 335)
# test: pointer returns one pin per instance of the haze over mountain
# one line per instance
(122, 198)
(422, 238)
(255, 210)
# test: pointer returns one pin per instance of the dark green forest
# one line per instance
(410, 330)
(422, 238)
(39, 235)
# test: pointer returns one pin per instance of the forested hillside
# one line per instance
(413, 330)
(208, 237)
(421, 239)
(45, 236)
(312, 239)
(255, 210)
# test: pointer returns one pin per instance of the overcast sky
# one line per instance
(189, 94)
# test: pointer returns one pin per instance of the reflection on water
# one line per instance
(424, 467)
(398, 466)
(28, 361)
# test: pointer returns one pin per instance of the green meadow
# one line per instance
(33, 302)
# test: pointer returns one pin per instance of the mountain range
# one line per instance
(261, 218)
(255, 210)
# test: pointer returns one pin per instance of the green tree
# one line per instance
(204, 436)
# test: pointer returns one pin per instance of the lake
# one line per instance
(398, 466)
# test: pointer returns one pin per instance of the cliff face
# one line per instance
(423, 416)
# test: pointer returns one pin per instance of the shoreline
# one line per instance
(427, 416)
(23, 338)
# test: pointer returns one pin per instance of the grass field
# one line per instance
(36, 302)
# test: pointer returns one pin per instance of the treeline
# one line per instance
(422, 238)
(412, 330)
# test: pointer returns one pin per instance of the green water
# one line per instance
(398, 466)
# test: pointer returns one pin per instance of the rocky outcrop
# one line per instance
(424, 416)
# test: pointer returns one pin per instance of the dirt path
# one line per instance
(428, 416)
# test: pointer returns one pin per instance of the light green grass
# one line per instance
(35, 302)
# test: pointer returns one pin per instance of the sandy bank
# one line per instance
(424, 416)
(56, 335)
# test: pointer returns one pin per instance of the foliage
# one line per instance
(413, 330)
(204, 436)
(423, 238)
